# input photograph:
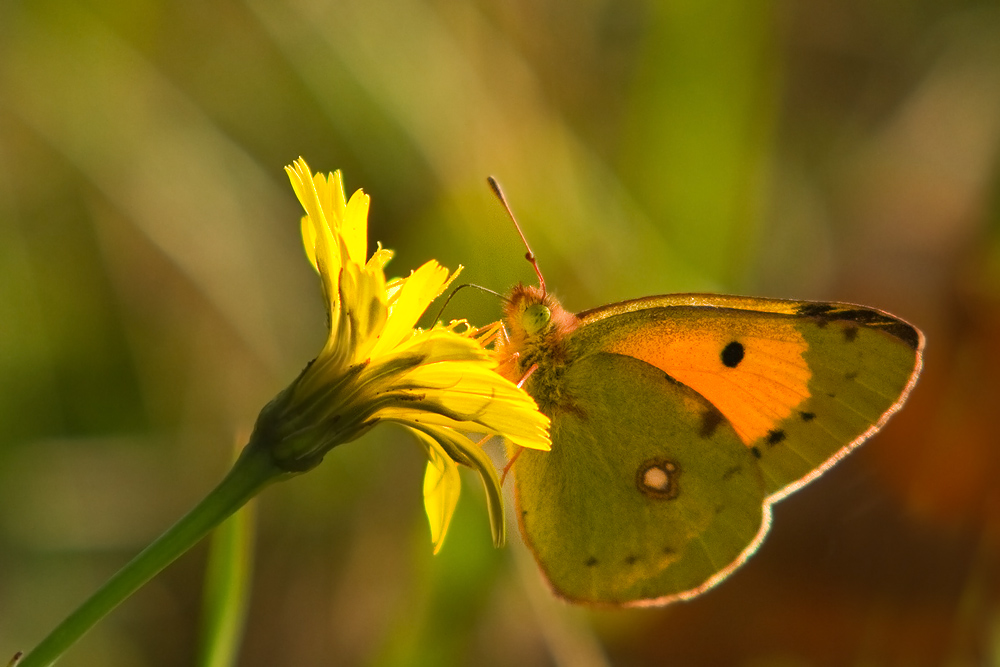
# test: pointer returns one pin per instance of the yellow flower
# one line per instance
(439, 383)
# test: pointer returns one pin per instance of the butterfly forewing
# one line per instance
(801, 382)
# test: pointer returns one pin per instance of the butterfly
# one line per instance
(679, 420)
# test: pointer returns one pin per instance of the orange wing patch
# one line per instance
(752, 371)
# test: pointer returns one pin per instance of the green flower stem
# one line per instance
(253, 470)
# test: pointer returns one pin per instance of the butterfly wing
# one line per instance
(802, 382)
(645, 493)
(766, 394)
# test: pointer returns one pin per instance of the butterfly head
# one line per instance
(536, 343)
(533, 317)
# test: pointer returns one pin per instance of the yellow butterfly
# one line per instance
(678, 420)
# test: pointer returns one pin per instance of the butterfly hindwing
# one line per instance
(647, 492)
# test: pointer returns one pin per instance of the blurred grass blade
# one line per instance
(227, 589)
(701, 126)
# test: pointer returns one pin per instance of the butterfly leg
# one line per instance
(510, 464)
(524, 378)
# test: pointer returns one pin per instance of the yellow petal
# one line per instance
(473, 398)
(418, 290)
(306, 191)
(443, 344)
(364, 309)
(309, 240)
(442, 486)
(354, 227)
(317, 238)
(331, 196)
(379, 259)
(460, 448)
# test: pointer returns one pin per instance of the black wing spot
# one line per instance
(631, 560)
(710, 420)
(732, 354)
(850, 334)
(729, 473)
(851, 376)
(774, 437)
(807, 416)
(590, 562)
(755, 451)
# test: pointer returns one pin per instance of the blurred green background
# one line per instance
(154, 295)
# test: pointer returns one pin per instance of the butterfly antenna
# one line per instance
(530, 256)
(455, 291)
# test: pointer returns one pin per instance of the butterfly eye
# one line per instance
(536, 318)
